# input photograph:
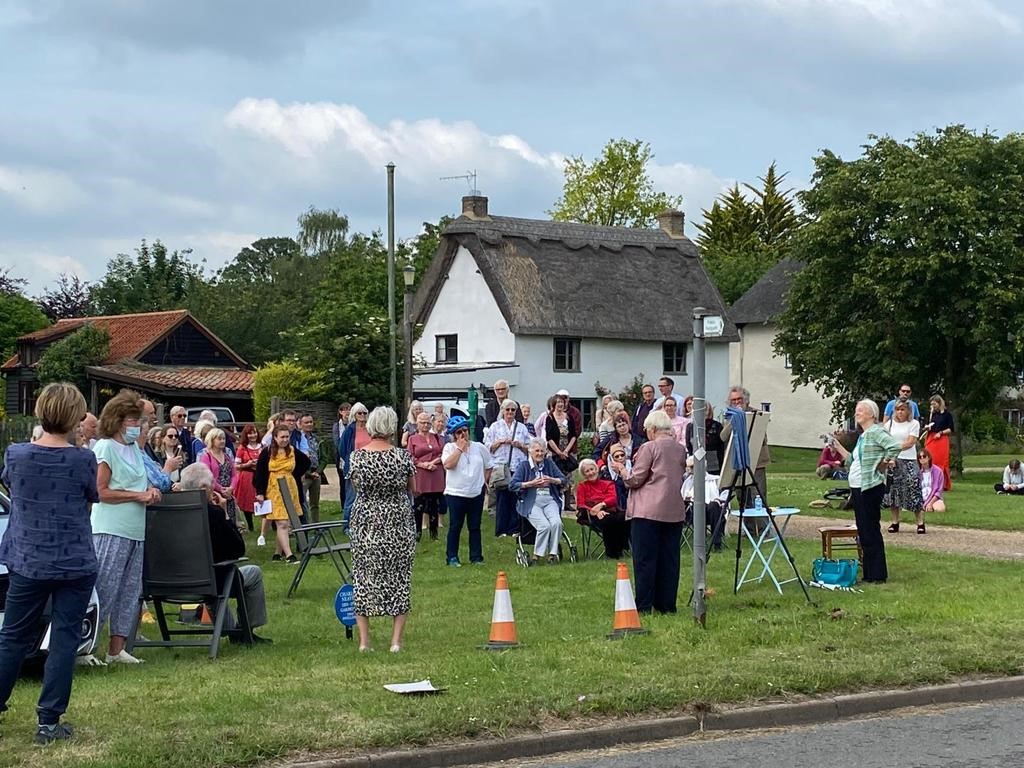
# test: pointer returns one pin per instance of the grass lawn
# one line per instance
(938, 618)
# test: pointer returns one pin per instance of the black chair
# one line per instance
(314, 540)
(178, 568)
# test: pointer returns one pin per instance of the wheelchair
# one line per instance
(528, 536)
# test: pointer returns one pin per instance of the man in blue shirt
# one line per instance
(904, 395)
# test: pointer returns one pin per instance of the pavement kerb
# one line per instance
(808, 712)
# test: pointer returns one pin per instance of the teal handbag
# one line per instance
(840, 573)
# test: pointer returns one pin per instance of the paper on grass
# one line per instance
(263, 508)
(423, 686)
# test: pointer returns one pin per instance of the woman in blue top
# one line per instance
(119, 519)
(48, 552)
(539, 483)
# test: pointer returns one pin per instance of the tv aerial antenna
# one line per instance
(469, 177)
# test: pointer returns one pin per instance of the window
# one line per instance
(26, 397)
(588, 407)
(787, 361)
(567, 355)
(447, 348)
(673, 357)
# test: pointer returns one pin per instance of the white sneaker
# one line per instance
(88, 661)
(261, 541)
(123, 657)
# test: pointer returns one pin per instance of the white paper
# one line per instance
(263, 508)
(423, 686)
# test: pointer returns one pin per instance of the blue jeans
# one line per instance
(26, 600)
(470, 511)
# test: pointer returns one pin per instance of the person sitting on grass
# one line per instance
(227, 544)
(830, 462)
(1013, 479)
(932, 481)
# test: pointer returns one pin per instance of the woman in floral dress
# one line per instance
(382, 530)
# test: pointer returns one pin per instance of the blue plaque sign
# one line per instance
(344, 605)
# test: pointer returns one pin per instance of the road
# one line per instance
(976, 736)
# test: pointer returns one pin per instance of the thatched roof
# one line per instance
(556, 278)
(766, 298)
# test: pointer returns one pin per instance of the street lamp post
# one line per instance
(391, 283)
(408, 277)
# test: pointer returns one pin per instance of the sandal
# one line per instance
(920, 528)
(894, 528)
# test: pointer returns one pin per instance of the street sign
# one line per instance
(714, 325)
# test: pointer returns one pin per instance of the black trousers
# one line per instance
(1018, 491)
(867, 510)
(655, 548)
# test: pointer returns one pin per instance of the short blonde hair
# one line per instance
(211, 435)
(202, 427)
(382, 422)
(658, 421)
(60, 408)
(613, 408)
(937, 399)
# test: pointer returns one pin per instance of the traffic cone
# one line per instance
(204, 615)
(627, 620)
(503, 623)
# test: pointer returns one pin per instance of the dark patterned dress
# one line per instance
(383, 533)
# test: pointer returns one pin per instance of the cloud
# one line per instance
(39, 191)
(249, 29)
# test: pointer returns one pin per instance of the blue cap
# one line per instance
(455, 423)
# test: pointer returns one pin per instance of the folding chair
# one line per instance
(178, 568)
(591, 538)
(314, 540)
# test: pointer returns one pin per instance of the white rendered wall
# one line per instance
(465, 306)
(613, 363)
(798, 417)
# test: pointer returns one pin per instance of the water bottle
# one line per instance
(758, 504)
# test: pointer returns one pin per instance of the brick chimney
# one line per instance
(671, 223)
(475, 207)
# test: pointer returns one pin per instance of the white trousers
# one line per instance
(546, 519)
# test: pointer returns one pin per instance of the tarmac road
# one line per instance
(975, 736)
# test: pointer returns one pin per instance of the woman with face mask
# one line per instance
(119, 519)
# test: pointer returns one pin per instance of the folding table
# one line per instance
(765, 544)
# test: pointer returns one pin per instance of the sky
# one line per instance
(208, 125)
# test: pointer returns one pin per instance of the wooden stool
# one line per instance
(841, 532)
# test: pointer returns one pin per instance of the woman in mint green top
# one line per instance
(867, 462)
(119, 519)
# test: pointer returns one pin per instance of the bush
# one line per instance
(288, 381)
(67, 359)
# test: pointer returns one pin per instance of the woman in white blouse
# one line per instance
(467, 470)
(507, 440)
(904, 478)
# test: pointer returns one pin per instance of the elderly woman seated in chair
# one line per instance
(539, 484)
(597, 506)
(228, 544)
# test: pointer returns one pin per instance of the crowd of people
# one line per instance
(85, 525)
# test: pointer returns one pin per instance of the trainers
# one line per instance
(291, 559)
(123, 657)
(276, 557)
(454, 562)
(47, 734)
(261, 541)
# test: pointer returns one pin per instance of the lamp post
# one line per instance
(408, 277)
(391, 283)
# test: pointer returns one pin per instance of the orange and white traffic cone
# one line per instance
(204, 615)
(627, 620)
(503, 623)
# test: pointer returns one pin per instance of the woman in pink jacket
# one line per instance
(932, 482)
(218, 459)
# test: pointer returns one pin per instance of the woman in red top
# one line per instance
(425, 448)
(597, 507)
(245, 463)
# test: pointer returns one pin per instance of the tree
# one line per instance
(11, 286)
(152, 281)
(915, 270)
(69, 298)
(287, 380)
(18, 316)
(322, 231)
(266, 289)
(614, 190)
(67, 359)
(741, 238)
